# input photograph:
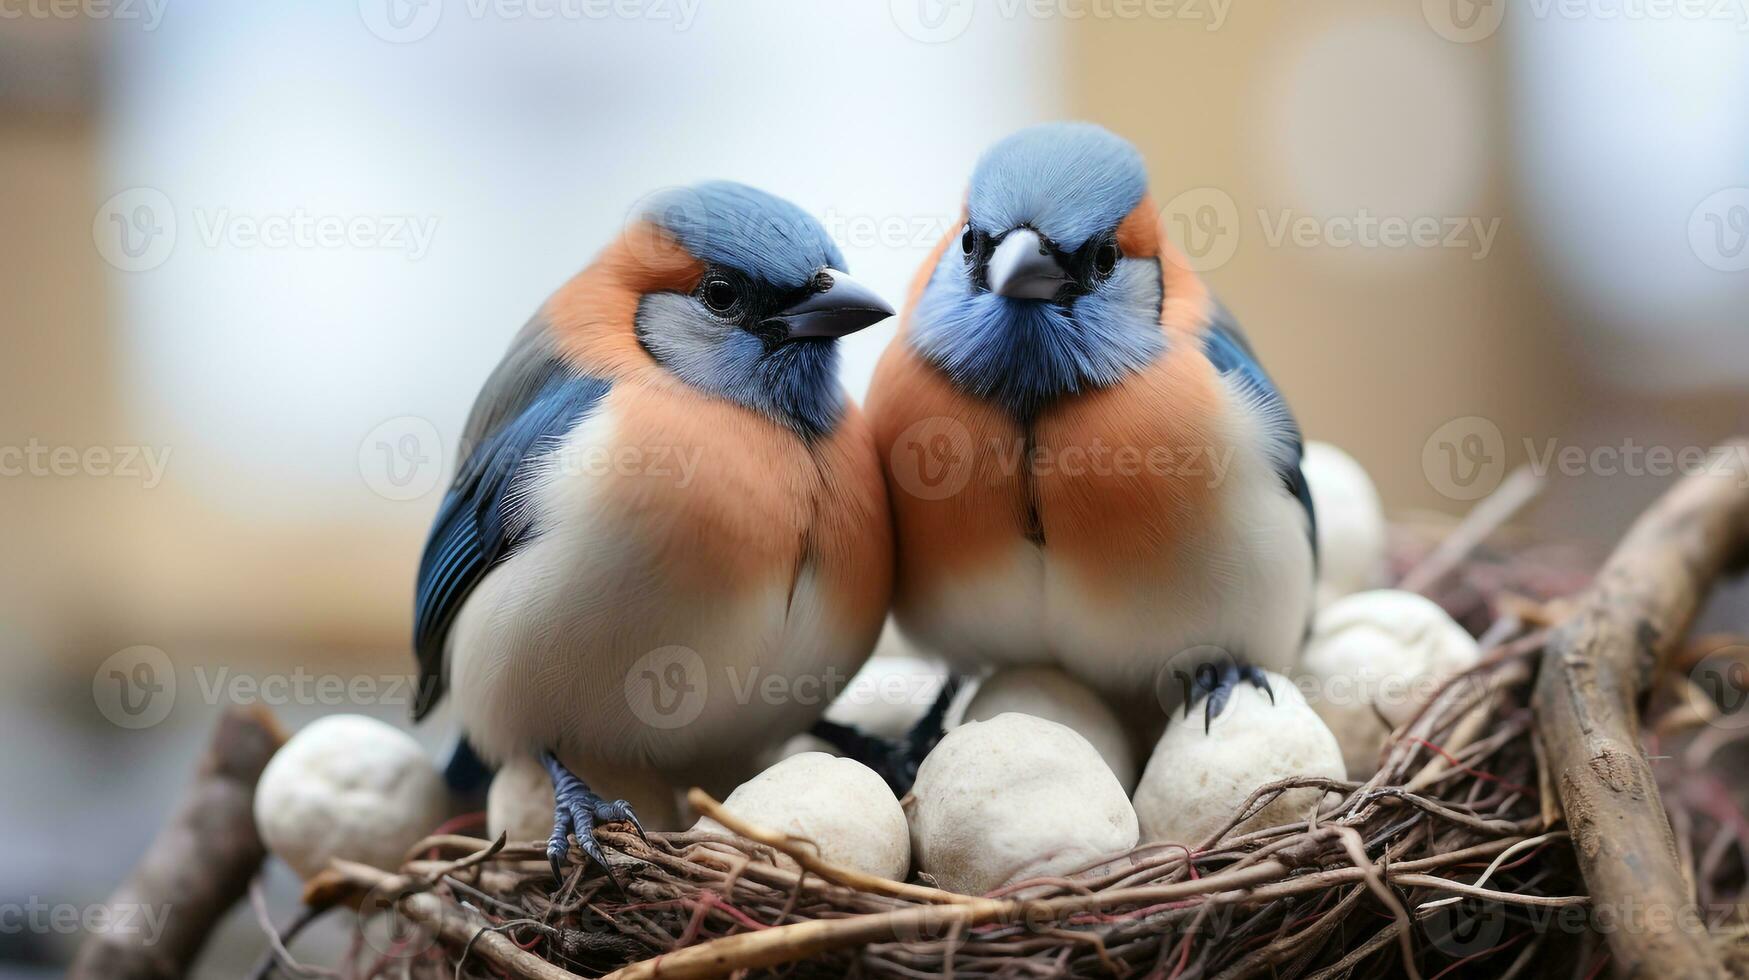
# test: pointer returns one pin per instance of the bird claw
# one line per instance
(576, 811)
(1216, 684)
(612, 811)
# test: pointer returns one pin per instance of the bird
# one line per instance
(1089, 468)
(665, 499)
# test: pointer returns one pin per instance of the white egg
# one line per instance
(1012, 798)
(1374, 658)
(350, 787)
(1351, 522)
(1197, 780)
(839, 804)
(520, 801)
(1049, 693)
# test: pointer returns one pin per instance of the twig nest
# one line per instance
(1351, 522)
(840, 805)
(351, 787)
(1012, 798)
(519, 802)
(1197, 780)
(1373, 660)
(1049, 693)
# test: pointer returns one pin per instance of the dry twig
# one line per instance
(199, 865)
(1598, 666)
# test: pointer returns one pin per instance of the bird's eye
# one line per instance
(967, 240)
(1105, 259)
(719, 295)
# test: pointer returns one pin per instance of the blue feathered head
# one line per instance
(741, 227)
(1039, 300)
(761, 326)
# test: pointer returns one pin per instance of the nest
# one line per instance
(1455, 859)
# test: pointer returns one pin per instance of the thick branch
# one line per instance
(198, 866)
(1594, 671)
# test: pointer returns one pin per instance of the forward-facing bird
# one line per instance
(1087, 464)
(666, 500)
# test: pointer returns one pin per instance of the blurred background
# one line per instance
(259, 257)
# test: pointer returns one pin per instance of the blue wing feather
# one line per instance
(1231, 354)
(481, 522)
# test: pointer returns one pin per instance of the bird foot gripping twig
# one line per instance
(576, 811)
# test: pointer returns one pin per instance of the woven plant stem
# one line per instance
(451, 923)
(1595, 669)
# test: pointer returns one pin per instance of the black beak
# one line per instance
(839, 305)
(1023, 268)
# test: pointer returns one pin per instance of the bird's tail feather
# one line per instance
(465, 772)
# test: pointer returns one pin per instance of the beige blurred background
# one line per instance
(1584, 286)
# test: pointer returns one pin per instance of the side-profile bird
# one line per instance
(1088, 467)
(666, 500)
